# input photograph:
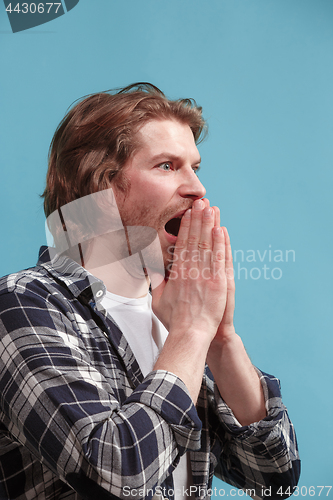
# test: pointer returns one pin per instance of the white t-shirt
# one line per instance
(146, 336)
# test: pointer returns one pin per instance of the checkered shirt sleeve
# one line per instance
(261, 458)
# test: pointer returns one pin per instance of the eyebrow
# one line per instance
(170, 156)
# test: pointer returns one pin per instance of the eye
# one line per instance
(166, 166)
(196, 169)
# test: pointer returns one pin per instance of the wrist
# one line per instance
(193, 331)
(193, 339)
(236, 378)
(223, 348)
(184, 354)
(225, 338)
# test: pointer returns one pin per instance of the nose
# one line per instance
(191, 186)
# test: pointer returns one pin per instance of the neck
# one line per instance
(124, 277)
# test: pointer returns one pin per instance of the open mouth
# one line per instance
(173, 225)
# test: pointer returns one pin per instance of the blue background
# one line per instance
(263, 72)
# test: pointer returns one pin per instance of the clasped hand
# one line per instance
(199, 293)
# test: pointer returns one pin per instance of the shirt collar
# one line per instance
(78, 280)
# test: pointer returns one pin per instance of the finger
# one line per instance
(180, 251)
(206, 239)
(194, 233)
(206, 202)
(228, 258)
(218, 254)
(229, 271)
(217, 221)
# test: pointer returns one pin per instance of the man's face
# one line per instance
(162, 180)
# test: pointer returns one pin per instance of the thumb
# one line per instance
(157, 292)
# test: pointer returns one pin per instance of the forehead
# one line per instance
(171, 136)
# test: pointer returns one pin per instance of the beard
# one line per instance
(144, 227)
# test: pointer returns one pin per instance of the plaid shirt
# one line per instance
(79, 420)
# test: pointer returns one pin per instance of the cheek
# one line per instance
(150, 194)
(147, 196)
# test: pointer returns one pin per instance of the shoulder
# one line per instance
(30, 297)
(20, 282)
(34, 284)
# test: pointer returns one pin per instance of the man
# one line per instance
(105, 391)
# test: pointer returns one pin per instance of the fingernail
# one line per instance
(187, 214)
(208, 212)
(198, 205)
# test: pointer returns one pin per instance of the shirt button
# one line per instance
(99, 293)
